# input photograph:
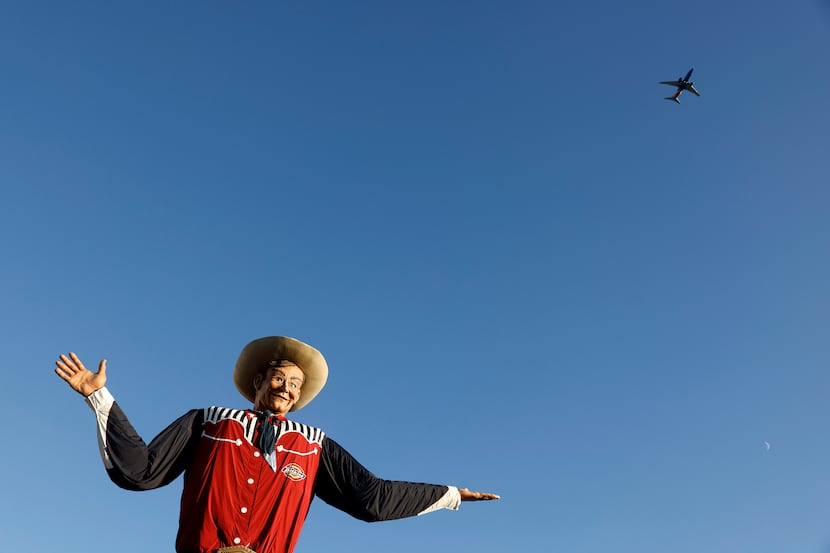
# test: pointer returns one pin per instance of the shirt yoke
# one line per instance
(248, 422)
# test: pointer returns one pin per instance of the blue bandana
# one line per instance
(267, 438)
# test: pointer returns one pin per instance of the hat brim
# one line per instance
(257, 354)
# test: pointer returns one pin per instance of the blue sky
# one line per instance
(529, 273)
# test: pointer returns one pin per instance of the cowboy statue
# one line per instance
(250, 474)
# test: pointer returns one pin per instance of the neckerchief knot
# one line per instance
(267, 434)
(268, 438)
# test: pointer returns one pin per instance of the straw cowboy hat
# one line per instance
(256, 356)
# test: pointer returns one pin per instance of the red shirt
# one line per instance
(231, 494)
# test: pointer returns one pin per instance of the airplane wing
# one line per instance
(693, 90)
(671, 83)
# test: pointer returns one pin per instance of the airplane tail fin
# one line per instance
(672, 98)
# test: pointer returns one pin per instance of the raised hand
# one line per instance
(467, 495)
(79, 378)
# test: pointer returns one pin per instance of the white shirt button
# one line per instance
(256, 453)
(236, 541)
(244, 510)
(238, 442)
(250, 480)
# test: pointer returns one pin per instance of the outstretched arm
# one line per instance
(130, 462)
(344, 483)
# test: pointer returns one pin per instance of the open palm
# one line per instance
(79, 378)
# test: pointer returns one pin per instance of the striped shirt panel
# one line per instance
(249, 422)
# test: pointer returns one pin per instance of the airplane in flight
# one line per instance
(682, 84)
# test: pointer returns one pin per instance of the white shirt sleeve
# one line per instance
(450, 500)
(101, 401)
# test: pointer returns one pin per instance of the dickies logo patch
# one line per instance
(294, 472)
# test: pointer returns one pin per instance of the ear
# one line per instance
(257, 381)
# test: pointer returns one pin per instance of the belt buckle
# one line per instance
(235, 549)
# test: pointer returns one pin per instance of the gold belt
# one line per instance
(235, 549)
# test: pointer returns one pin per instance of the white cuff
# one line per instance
(450, 500)
(100, 401)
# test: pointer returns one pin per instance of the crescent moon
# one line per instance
(766, 444)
